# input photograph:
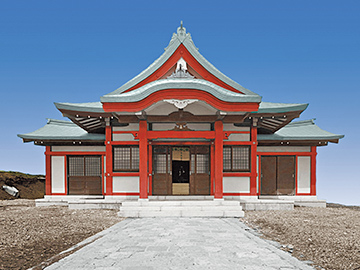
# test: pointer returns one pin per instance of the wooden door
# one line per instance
(285, 175)
(162, 183)
(268, 175)
(84, 175)
(277, 175)
(200, 170)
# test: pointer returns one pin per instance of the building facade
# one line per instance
(181, 127)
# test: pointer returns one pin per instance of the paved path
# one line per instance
(178, 243)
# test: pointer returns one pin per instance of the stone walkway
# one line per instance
(178, 243)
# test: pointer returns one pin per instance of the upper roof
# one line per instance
(301, 130)
(181, 41)
(56, 130)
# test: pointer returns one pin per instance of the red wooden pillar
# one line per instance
(218, 170)
(48, 170)
(253, 162)
(313, 171)
(150, 168)
(212, 168)
(143, 168)
(109, 159)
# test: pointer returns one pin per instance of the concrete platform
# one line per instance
(178, 243)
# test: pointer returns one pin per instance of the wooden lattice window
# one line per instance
(84, 165)
(202, 163)
(236, 159)
(126, 158)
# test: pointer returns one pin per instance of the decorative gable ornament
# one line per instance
(180, 104)
(181, 71)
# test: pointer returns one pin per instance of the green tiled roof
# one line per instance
(270, 107)
(198, 84)
(61, 130)
(81, 107)
(300, 130)
(181, 37)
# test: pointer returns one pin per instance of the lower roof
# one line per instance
(59, 130)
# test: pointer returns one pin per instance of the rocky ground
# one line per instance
(329, 237)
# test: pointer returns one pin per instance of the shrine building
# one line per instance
(181, 128)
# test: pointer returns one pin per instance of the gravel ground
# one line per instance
(30, 235)
(330, 237)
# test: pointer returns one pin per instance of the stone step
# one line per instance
(94, 204)
(181, 198)
(181, 203)
(181, 213)
(182, 208)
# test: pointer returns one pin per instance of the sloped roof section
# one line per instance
(197, 84)
(61, 130)
(81, 107)
(181, 37)
(301, 130)
(270, 107)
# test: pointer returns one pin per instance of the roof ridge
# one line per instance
(181, 37)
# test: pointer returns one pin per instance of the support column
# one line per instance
(143, 164)
(219, 144)
(313, 171)
(109, 159)
(48, 170)
(253, 150)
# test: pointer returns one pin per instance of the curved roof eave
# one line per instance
(177, 39)
(81, 107)
(61, 130)
(300, 130)
(269, 107)
(197, 84)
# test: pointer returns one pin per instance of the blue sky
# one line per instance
(286, 51)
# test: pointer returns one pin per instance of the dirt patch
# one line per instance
(30, 186)
(330, 237)
(31, 235)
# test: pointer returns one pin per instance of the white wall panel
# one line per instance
(126, 184)
(236, 184)
(130, 127)
(283, 149)
(231, 127)
(78, 148)
(58, 174)
(239, 137)
(303, 174)
(123, 137)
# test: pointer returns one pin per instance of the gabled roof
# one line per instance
(270, 107)
(301, 131)
(181, 38)
(81, 107)
(59, 130)
(196, 84)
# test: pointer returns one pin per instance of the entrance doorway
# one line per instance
(181, 170)
(277, 175)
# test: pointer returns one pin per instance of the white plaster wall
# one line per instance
(78, 148)
(257, 172)
(130, 127)
(200, 108)
(239, 137)
(104, 174)
(123, 137)
(199, 126)
(231, 127)
(126, 184)
(283, 149)
(163, 126)
(303, 174)
(236, 184)
(57, 174)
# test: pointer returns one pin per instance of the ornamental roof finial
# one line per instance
(181, 24)
(181, 31)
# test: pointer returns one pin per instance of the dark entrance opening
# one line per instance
(180, 172)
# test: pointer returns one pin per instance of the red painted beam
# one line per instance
(180, 134)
